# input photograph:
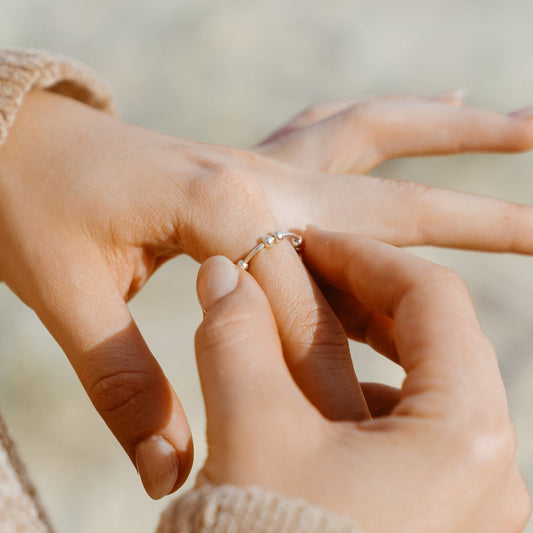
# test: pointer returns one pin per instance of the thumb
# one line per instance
(243, 374)
(91, 322)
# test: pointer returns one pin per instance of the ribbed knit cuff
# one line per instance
(24, 70)
(232, 509)
(20, 510)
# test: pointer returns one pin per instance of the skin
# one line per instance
(437, 455)
(90, 206)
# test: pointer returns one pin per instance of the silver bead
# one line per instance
(268, 240)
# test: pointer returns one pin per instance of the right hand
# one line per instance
(437, 455)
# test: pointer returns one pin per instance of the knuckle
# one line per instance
(227, 327)
(119, 383)
(222, 201)
(221, 187)
(225, 181)
(409, 189)
(313, 112)
(416, 226)
(487, 449)
(489, 455)
(121, 390)
(319, 332)
(362, 110)
(411, 193)
(444, 280)
(369, 114)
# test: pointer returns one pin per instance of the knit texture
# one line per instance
(20, 511)
(232, 509)
(24, 70)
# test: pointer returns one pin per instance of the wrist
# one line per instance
(22, 71)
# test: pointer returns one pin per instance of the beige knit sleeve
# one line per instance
(24, 70)
(231, 509)
(20, 511)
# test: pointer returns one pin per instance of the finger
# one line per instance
(245, 380)
(358, 138)
(302, 141)
(361, 323)
(313, 340)
(91, 322)
(381, 399)
(313, 113)
(433, 129)
(321, 111)
(440, 344)
(405, 213)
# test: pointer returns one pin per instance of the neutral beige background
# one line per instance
(228, 72)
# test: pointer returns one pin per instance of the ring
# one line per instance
(269, 240)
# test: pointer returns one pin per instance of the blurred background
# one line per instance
(229, 72)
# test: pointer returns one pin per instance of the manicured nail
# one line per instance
(526, 112)
(217, 278)
(157, 464)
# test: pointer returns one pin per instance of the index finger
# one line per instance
(438, 337)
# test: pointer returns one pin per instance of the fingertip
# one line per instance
(217, 278)
(164, 456)
(157, 462)
(454, 97)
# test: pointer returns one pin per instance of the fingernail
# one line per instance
(454, 94)
(157, 464)
(525, 112)
(217, 278)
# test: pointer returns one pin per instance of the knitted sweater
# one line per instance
(209, 509)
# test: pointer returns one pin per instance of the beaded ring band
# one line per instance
(269, 240)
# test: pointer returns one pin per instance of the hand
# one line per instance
(438, 455)
(91, 206)
(354, 137)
